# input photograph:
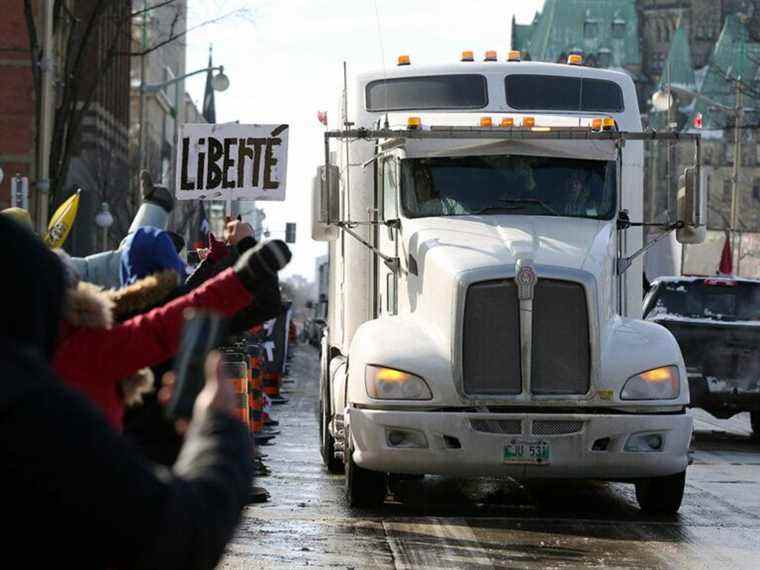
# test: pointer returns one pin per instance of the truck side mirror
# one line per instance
(692, 205)
(325, 204)
(390, 189)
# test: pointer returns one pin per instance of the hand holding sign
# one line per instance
(232, 161)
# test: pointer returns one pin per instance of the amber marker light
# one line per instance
(490, 55)
(404, 60)
(514, 55)
(529, 122)
(413, 123)
(507, 122)
(486, 122)
(575, 59)
(467, 55)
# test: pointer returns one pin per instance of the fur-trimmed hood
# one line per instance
(143, 295)
(87, 305)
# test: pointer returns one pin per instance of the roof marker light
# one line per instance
(596, 124)
(507, 122)
(467, 55)
(608, 123)
(413, 123)
(404, 60)
(514, 55)
(529, 122)
(575, 59)
(490, 55)
(486, 122)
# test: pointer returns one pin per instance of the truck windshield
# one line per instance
(526, 185)
(715, 299)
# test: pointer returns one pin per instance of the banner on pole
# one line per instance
(232, 162)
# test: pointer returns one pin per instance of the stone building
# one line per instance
(707, 47)
(99, 147)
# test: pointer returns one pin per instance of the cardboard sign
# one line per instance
(232, 161)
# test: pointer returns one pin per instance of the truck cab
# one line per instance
(485, 289)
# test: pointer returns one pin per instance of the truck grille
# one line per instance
(511, 427)
(556, 427)
(561, 353)
(491, 339)
(561, 358)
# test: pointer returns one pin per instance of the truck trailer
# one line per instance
(484, 222)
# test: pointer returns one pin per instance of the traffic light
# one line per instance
(290, 232)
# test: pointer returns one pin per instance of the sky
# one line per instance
(285, 60)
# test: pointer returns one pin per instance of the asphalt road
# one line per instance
(451, 523)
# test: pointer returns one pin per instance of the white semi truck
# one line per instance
(484, 222)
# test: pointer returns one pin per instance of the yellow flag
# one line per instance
(61, 222)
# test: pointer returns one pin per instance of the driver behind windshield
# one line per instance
(508, 184)
(575, 201)
(429, 199)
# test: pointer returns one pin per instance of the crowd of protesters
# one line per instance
(94, 473)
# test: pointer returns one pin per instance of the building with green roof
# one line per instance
(604, 31)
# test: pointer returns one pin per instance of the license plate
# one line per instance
(521, 451)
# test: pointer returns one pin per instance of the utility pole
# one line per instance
(143, 47)
(737, 159)
(46, 117)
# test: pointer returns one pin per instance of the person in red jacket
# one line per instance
(95, 360)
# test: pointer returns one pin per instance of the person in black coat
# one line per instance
(74, 493)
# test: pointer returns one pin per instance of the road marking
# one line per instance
(434, 542)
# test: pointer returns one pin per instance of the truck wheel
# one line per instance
(327, 442)
(754, 420)
(661, 495)
(364, 488)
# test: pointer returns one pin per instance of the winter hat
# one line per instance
(33, 295)
(148, 251)
(20, 216)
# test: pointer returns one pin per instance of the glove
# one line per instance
(258, 266)
(158, 195)
(216, 249)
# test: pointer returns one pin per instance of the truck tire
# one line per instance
(326, 440)
(364, 488)
(661, 495)
(754, 420)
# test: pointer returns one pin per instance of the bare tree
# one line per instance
(89, 44)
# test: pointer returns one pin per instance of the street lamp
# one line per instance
(219, 82)
(104, 220)
(662, 101)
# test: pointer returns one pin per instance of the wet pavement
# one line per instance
(442, 522)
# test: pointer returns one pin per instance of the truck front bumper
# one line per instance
(588, 446)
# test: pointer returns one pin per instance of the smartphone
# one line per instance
(202, 332)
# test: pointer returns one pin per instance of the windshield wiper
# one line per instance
(516, 204)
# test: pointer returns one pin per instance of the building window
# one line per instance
(756, 189)
(618, 28)
(604, 57)
(727, 188)
(590, 29)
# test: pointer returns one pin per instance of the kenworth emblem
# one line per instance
(525, 277)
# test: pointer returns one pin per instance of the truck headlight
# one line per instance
(662, 383)
(390, 384)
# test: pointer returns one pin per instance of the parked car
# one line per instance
(716, 321)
